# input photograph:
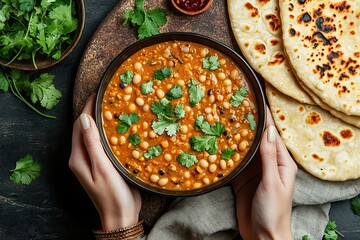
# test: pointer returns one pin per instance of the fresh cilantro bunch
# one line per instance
(26, 170)
(31, 27)
(330, 231)
(41, 89)
(148, 22)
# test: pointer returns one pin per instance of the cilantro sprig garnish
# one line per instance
(167, 117)
(41, 89)
(148, 22)
(26, 170)
(147, 87)
(134, 139)
(355, 205)
(211, 63)
(127, 77)
(153, 152)
(331, 233)
(126, 120)
(175, 92)
(250, 118)
(227, 153)
(31, 27)
(196, 92)
(162, 73)
(238, 97)
(216, 129)
(187, 159)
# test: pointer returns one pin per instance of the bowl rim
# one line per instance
(196, 38)
(27, 65)
(191, 13)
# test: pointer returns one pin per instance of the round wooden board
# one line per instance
(112, 37)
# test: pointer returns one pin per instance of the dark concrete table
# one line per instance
(55, 205)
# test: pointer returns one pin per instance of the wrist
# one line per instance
(110, 223)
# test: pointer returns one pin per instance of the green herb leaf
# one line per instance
(162, 107)
(330, 231)
(153, 152)
(227, 153)
(26, 170)
(216, 129)
(186, 159)
(126, 121)
(204, 143)
(27, 5)
(211, 63)
(4, 84)
(163, 73)
(305, 237)
(165, 124)
(175, 92)
(250, 118)
(147, 87)
(238, 97)
(179, 111)
(196, 92)
(134, 139)
(127, 77)
(355, 205)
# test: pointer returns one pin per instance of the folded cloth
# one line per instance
(212, 216)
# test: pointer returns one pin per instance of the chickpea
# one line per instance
(219, 97)
(145, 125)
(139, 101)
(152, 134)
(236, 157)
(246, 103)
(212, 158)
(132, 107)
(146, 108)
(222, 61)
(184, 128)
(202, 78)
(244, 133)
(168, 86)
(209, 117)
(154, 178)
(145, 134)
(108, 115)
(159, 93)
(243, 145)
(197, 185)
(187, 108)
(167, 157)
(136, 79)
(135, 154)
(163, 181)
(164, 144)
(127, 98)
(187, 174)
(204, 52)
(203, 163)
(227, 82)
(234, 74)
(212, 99)
(134, 129)
(181, 82)
(122, 140)
(226, 105)
(114, 140)
(212, 168)
(208, 110)
(206, 181)
(137, 65)
(230, 163)
(215, 179)
(222, 164)
(221, 76)
(237, 137)
(233, 146)
(148, 169)
(128, 90)
(144, 145)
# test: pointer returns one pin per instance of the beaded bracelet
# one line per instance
(128, 233)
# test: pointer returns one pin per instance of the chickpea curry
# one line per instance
(179, 115)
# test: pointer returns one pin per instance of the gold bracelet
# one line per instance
(127, 233)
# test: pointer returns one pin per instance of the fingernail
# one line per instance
(271, 136)
(84, 120)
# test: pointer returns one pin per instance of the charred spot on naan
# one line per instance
(260, 48)
(274, 42)
(346, 133)
(263, 2)
(273, 22)
(313, 118)
(254, 12)
(277, 59)
(317, 158)
(306, 17)
(330, 140)
(323, 24)
(341, 7)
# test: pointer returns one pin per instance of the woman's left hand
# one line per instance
(117, 203)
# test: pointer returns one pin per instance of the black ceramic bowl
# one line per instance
(42, 61)
(204, 41)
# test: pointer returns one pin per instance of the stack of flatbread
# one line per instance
(309, 54)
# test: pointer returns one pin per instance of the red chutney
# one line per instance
(192, 5)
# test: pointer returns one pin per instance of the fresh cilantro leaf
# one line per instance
(250, 118)
(175, 92)
(162, 107)
(330, 231)
(305, 237)
(216, 129)
(355, 205)
(238, 97)
(227, 153)
(211, 63)
(44, 91)
(4, 84)
(157, 16)
(126, 121)
(153, 152)
(163, 73)
(26, 5)
(179, 111)
(127, 77)
(186, 159)
(196, 92)
(204, 143)
(63, 16)
(147, 87)
(165, 124)
(134, 139)
(127, 15)
(26, 170)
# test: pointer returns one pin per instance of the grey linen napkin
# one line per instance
(212, 216)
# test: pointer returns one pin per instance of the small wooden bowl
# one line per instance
(189, 12)
(43, 62)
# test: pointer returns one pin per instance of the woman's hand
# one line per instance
(118, 203)
(264, 201)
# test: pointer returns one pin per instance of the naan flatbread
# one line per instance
(323, 145)
(256, 27)
(322, 42)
